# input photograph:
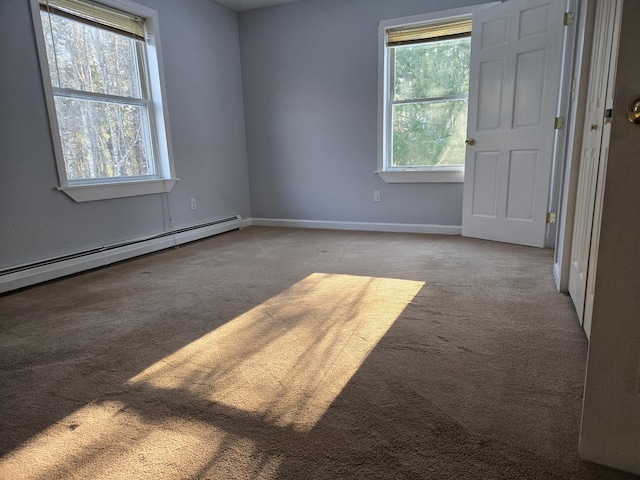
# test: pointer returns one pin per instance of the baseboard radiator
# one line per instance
(30, 274)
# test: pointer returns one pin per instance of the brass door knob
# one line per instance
(633, 111)
(470, 141)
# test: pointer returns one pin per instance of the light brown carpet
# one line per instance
(297, 354)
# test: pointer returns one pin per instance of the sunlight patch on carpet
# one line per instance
(287, 359)
(96, 441)
(280, 364)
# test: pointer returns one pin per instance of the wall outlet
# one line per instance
(376, 195)
(193, 204)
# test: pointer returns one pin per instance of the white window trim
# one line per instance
(415, 174)
(94, 190)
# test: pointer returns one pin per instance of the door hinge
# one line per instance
(569, 18)
(551, 217)
(558, 123)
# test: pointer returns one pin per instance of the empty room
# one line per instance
(319, 239)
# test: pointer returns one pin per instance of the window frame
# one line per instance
(160, 142)
(424, 174)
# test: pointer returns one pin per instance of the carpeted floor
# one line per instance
(297, 354)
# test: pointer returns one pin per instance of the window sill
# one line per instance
(422, 176)
(105, 191)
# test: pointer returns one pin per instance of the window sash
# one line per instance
(146, 130)
(449, 133)
(391, 93)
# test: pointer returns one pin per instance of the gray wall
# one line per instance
(309, 77)
(310, 81)
(202, 72)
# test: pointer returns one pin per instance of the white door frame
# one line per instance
(571, 58)
(567, 183)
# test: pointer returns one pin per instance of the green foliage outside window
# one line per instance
(429, 130)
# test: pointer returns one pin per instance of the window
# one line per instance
(429, 71)
(424, 88)
(103, 85)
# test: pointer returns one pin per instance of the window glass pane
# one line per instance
(429, 134)
(91, 59)
(103, 140)
(433, 69)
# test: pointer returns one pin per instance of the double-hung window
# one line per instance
(424, 88)
(105, 98)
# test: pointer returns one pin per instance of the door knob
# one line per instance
(470, 141)
(633, 111)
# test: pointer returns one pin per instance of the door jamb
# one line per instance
(567, 183)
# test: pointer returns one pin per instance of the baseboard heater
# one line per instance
(30, 274)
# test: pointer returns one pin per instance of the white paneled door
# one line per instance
(516, 63)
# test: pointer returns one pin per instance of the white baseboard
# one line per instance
(362, 226)
(26, 275)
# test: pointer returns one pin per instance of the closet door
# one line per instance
(593, 162)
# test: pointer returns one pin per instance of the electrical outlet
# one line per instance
(193, 204)
(376, 195)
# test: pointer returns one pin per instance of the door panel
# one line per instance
(516, 53)
(484, 180)
(490, 87)
(493, 32)
(520, 199)
(530, 70)
(534, 21)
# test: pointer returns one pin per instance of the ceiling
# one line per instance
(242, 5)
